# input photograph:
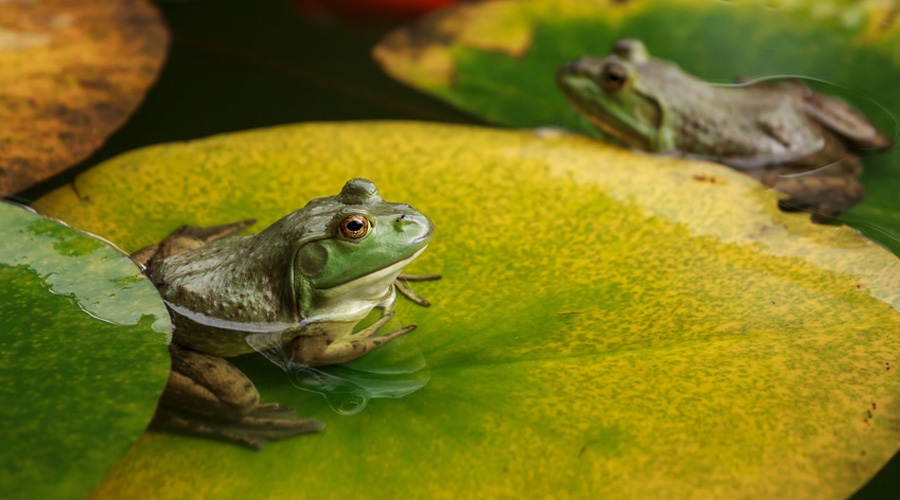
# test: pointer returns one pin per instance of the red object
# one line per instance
(369, 11)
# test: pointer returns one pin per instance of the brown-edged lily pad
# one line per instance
(71, 72)
(609, 324)
(498, 59)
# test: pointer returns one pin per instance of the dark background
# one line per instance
(239, 64)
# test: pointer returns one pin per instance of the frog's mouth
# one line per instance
(353, 300)
(588, 98)
(379, 275)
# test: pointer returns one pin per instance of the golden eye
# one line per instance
(613, 77)
(354, 226)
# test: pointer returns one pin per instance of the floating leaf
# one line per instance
(71, 72)
(609, 324)
(83, 356)
(498, 59)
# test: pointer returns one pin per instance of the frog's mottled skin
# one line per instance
(303, 283)
(784, 134)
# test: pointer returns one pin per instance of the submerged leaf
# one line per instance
(497, 59)
(609, 324)
(83, 356)
(71, 71)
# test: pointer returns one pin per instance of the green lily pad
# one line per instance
(497, 60)
(609, 324)
(83, 356)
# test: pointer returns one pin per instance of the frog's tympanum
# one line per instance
(783, 134)
(305, 281)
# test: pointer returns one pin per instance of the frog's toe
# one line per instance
(268, 422)
(411, 294)
(419, 277)
(823, 196)
(272, 409)
(820, 214)
(793, 205)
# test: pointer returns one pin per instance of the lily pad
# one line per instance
(609, 324)
(497, 60)
(83, 356)
(71, 72)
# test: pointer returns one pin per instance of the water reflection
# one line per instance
(347, 389)
(81, 267)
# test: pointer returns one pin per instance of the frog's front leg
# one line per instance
(408, 292)
(318, 350)
(207, 395)
(418, 277)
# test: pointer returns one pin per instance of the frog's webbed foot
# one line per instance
(186, 238)
(206, 395)
(825, 197)
(824, 191)
(318, 350)
(408, 292)
(254, 430)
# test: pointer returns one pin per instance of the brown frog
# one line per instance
(789, 137)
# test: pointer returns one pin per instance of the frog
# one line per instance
(302, 284)
(789, 137)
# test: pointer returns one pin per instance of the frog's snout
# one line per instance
(418, 227)
(583, 66)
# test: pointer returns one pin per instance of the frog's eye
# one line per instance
(613, 77)
(354, 226)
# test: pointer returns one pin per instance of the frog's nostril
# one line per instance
(577, 67)
(402, 218)
(583, 66)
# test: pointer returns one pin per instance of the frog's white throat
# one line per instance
(352, 301)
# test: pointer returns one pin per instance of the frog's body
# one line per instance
(774, 132)
(304, 282)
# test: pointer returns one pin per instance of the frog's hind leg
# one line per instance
(823, 196)
(206, 395)
(187, 238)
(845, 121)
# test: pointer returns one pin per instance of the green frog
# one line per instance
(301, 285)
(789, 137)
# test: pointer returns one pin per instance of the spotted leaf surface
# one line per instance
(609, 324)
(83, 356)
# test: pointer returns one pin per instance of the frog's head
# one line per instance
(352, 248)
(619, 95)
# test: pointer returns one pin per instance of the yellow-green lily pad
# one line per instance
(83, 356)
(71, 72)
(609, 324)
(497, 59)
